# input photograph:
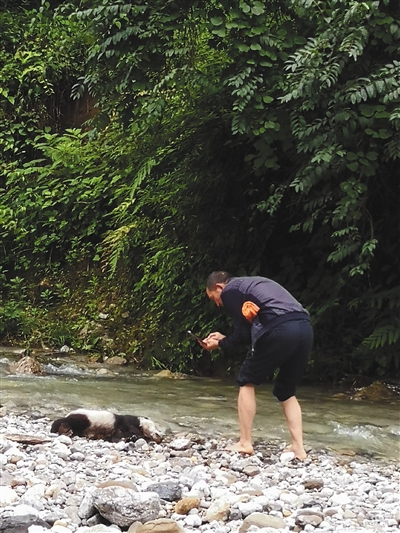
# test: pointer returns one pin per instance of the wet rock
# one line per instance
(65, 349)
(171, 375)
(26, 365)
(116, 361)
(376, 392)
(103, 372)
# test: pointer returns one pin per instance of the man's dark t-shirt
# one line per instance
(276, 305)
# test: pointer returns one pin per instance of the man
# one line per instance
(279, 330)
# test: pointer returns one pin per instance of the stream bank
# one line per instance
(188, 483)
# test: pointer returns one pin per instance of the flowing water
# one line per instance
(203, 405)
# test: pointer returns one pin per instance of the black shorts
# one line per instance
(287, 347)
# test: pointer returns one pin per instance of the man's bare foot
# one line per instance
(240, 448)
(299, 453)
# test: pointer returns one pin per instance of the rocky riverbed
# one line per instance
(188, 483)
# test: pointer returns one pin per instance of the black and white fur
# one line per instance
(105, 425)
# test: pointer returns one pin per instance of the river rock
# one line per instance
(186, 504)
(311, 518)
(313, 484)
(218, 510)
(286, 457)
(123, 506)
(87, 508)
(99, 528)
(161, 525)
(171, 375)
(6, 479)
(169, 490)
(26, 365)
(261, 520)
(116, 361)
(377, 391)
(7, 496)
(23, 524)
(181, 443)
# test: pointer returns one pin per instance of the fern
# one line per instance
(143, 173)
(384, 335)
(114, 247)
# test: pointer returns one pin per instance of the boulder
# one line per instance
(122, 506)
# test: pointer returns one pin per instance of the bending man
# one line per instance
(279, 330)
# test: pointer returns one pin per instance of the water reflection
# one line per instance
(206, 405)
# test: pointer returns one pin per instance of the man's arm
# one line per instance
(232, 301)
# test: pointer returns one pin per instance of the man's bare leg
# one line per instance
(246, 413)
(292, 410)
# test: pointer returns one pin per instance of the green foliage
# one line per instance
(40, 55)
(262, 138)
(66, 187)
(382, 336)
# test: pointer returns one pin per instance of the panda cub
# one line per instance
(105, 425)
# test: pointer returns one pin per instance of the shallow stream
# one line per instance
(202, 405)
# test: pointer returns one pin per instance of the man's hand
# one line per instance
(211, 342)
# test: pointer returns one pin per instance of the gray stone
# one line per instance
(21, 523)
(87, 508)
(94, 520)
(168, 490)
(180, 444)
(251, 470)
(123, 506)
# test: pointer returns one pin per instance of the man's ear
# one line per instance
(220, 286)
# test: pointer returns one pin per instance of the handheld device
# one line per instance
(194, 336)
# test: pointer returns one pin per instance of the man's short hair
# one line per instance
(219, 276)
